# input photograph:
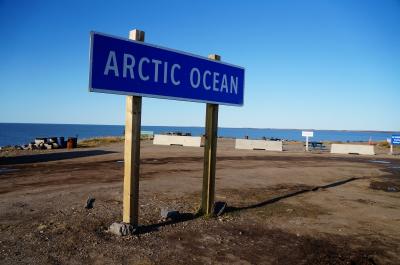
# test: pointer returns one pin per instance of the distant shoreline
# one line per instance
(222, 127)
(25, 133)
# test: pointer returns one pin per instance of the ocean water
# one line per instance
(23, 133)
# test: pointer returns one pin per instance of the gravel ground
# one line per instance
(283, 207)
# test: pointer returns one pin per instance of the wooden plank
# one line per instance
(132, 151)
(210, 152)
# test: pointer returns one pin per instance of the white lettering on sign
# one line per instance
(224, 84)
(215, 81)
(112, 58)
(141, 75)
(176, 83)
(234, 84)
(156, 64)
(192, 83)
(128, 66)
(203, 79)
(165, 72)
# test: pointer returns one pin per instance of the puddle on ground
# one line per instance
(379, 161)
(7, 170)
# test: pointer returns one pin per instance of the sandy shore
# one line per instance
(284, 207)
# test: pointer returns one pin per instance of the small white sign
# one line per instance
(307, 134)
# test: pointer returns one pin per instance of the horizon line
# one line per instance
(187, 126)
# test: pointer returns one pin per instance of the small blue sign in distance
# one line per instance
(128, 67)
(395, 139)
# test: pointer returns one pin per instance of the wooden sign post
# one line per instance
(210, 154)
(132, 151)
(136, 69)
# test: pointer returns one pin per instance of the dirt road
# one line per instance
(284, 208)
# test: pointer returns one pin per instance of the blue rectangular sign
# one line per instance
(395, 139)
(128, 67)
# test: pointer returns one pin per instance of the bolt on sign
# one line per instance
(137, 69)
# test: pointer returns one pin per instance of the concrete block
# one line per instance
(259, 145)
(352, 149)
(161, 139)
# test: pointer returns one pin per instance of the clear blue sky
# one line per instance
(309, 64)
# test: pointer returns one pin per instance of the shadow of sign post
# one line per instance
(133, 68)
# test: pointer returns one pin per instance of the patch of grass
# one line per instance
(93, 142)
(384, 144)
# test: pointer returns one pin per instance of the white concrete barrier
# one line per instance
(162, 139)
(352, 149)
(259, 145)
